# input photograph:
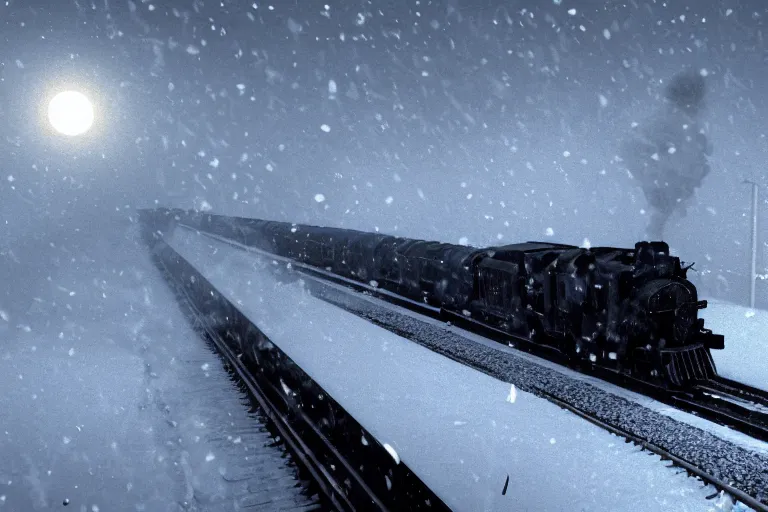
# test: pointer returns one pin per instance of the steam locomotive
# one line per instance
(632, 311)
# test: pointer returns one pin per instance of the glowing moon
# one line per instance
(70, 113)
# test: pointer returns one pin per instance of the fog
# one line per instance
(474, 122)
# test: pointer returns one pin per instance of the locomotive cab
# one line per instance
(501, 291)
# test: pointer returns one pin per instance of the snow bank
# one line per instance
(110, 401)
(745, 357)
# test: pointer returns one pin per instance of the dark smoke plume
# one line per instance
(668, 155)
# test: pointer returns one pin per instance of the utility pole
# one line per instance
(753, 267)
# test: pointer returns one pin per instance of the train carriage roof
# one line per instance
(532, 247)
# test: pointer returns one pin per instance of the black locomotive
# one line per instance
(628, 310)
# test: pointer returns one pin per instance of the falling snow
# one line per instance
(512, 397)
(450, 122)
(392, 453)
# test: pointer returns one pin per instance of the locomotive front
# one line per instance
(661, 321)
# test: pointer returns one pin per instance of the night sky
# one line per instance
(480, 122)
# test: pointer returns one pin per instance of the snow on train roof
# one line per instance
(533, 246)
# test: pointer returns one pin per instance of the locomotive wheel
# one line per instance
(567, 346)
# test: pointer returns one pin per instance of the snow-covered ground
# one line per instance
(109, 400)
(461, 431)
(745, 357)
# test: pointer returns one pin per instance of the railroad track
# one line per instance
(738, 391)
(733, 405)
(315, 428)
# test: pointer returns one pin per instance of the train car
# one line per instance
(629, 310)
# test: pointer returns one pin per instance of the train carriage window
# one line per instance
(599, 296)
(326, 251)
(495, 288)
